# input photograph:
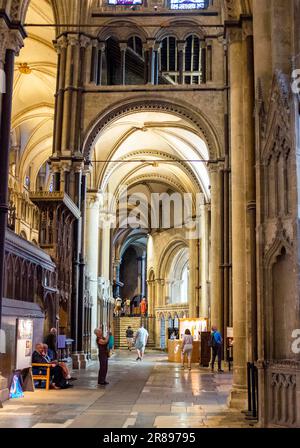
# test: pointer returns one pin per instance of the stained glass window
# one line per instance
(125, 2)
(189, 4)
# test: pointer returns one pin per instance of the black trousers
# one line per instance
(217, 351)
(58, 377)
(103, 360)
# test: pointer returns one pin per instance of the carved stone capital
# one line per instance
(181, 46)
(123, 46)
(93, 200)
(74, 40)
(234, 35)
(60, 44)
(247, 29)
(10, 40)
(84, 41)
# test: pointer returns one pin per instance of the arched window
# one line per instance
(113, 57)
(169, 60)
(195, 61)
(136, 45)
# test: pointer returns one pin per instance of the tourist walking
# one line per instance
(187, 348)
(129, 338)
(216, 346)
(140, 342)
(102, 343)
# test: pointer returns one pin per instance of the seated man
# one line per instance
(56, 372)
(48, 355)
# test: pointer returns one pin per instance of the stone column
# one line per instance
(239, 391)
(11, 42)
(92, 254)
(192, 277)
(123, 48)
(157, 47)
(204, 305)
(149, 55)
(216, 247)
(101, 50)
(181, 61)
(105, 255)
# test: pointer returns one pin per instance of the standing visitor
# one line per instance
(187, 348)
(141, 338)
(127, 307)
(102, 343)
(143, 306)
(118, 307)
(129, 338)
(51, 341)
(216, 345)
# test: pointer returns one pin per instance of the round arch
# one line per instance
(144, 104)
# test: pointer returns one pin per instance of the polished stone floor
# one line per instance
(148, 394)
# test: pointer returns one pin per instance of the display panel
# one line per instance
(125, 2)
(24, 343)
(189, 4)
(195, 326)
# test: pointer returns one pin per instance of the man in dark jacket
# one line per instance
(129, 338)
(51, 341)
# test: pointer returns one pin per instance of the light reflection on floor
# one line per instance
(152, 393)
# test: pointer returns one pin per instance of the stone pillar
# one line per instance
(106, 236)
(216, 247)
(123, 48)
(11, 42)
(239, 391)
(92, 254)
(101, 55)
(149, 56)
(181, 61)
(204, 304)
(192, 277)
(157, 47)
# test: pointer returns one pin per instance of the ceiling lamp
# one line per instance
(24, 68)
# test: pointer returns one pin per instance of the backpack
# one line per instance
(212, 342)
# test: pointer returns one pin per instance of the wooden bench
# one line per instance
(45, 377)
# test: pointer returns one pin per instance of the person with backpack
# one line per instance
(216, 346)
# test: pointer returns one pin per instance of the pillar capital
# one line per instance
(247, 29)
(234, 35)
(84, 41)
(181, 46)
(93, 200)
(74, 40)
(123, 46)
(149, 45)
(60, 44)
(10, 40)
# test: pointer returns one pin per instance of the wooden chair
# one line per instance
(43, 377)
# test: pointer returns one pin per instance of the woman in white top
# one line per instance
(187, 348)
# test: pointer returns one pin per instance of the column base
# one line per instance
(80, 361)
(238, 398)
(4, 392)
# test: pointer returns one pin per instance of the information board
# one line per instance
(24, 343)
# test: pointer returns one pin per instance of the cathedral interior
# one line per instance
(150, 148)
